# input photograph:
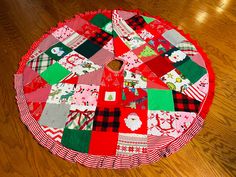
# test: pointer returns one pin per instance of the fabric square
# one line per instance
(88, 49)
(87, 29)
(102, 57)
(160, 100)
(74, 40)
(171, 124)
(36, 83)
(176, 56)
(129, 144)
(107, 119)
(61, 93)
(110, 96)
(40, 63)
(101, 38)
(58, 51)
(187, 47)
(104, 98)
(80, 118)
(145, 53)
(54, 133)
(119, 47)
(134, 80)
(62, 33)
(132, 40)
(160, 65)
(133, 121)
(103, 143)
(175, 80)
(100, 20)
(160, 44)
(77, 140)
(78, 64)
(111, 78)
(131, 60)
(54, 73)
(135, 98)
(136, 22)
(173, 36)
(85, 95)
(36, 109)
(54, 115)
(191, 70)
(185, 103)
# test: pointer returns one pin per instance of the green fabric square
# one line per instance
(191, 70)
(77, 140)
(88, 49)
(58, 51)
(54, 73)
(148, 19)
(100, 20)
(160, 100)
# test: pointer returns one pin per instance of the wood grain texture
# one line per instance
(211, 22)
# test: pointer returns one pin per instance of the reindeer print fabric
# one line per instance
(82, 110)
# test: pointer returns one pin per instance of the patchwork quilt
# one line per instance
(83, 111)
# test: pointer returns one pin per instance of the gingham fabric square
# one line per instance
(136, 22)
(101, 38)
(106, 119)
(41, 63)
(185, 103)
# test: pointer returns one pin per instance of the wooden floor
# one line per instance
(212, 22)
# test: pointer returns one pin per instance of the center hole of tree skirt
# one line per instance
(115, 65)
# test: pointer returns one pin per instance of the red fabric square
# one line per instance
(119, 47)
(36, 109)
(133, 121)
(160, 65)
(135, 98)
(111, 78)
(145, 52)
(35, 84)
(103, 143)
(102, 93)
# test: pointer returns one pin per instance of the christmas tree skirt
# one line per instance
(83, 109)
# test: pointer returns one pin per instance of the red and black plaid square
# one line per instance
(101, 38)
(185, 103)
(106, 119)
(136, 22)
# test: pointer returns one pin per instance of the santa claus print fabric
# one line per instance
(85, 111)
